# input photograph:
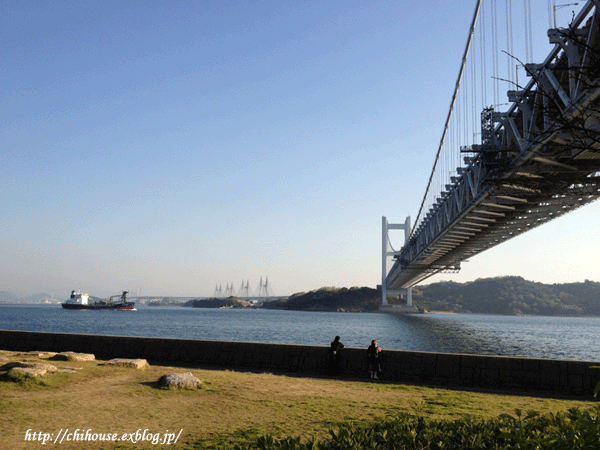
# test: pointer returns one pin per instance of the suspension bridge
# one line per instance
(506, 165)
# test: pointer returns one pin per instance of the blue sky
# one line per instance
(166, 147)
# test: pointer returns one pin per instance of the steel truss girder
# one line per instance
(540, 161)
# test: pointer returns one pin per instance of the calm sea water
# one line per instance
(529, 336)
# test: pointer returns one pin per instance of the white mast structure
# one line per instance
(245, 289)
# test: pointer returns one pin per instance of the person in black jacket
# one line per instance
(334, 356)
(374, 357)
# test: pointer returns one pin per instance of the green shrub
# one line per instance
(573, 430)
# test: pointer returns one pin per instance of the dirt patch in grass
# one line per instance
(229, 407)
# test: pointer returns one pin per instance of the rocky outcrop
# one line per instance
(331, 299)
(230, 302)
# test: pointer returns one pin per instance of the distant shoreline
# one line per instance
(510, 296)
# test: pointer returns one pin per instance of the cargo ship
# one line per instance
(77, 300)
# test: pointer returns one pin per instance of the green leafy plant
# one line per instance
(597, 388)
(571, 430)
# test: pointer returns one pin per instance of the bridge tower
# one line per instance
(245, 289)
(386, 246)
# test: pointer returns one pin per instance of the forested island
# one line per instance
(501, 295)
(512, 296)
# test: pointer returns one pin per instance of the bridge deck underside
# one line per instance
(501, 213)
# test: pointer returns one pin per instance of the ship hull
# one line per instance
(118, 307)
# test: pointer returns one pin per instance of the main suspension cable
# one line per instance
(456, 88)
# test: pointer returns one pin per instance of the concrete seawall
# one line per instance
(519, 375)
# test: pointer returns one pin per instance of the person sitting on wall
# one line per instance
(374, 357)
(334, 356)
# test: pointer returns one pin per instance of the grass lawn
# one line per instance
(230, 407)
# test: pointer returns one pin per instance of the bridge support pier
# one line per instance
(386, 244)
(405, 294)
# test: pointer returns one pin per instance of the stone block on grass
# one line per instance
(47, 368)
(40, 354)
(29, 372)
(124, 362)
(73, 356)
(183, 380)
(19, 369)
